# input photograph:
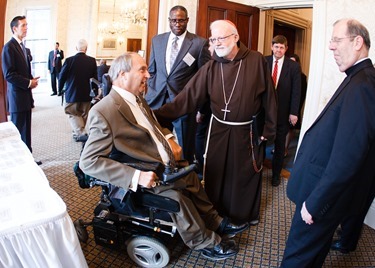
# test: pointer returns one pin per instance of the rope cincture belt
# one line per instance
(231, 124)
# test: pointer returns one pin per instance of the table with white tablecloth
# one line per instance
(35, 228)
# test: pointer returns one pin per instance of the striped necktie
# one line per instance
(157, 132)
(174, 51)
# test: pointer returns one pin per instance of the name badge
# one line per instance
(58, 55)
(189, 59)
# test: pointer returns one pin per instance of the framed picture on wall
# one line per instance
(109, 43)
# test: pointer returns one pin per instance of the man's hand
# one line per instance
(176, 149)
(148, 179)
(306, 216)
(199, 117)
(293, 119)
(34, 82)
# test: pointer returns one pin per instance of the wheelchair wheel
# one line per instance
(81, 231)
(148, 252)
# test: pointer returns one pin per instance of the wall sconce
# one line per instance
(120, 40)
(99, 40)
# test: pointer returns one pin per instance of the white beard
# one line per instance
(224, 51)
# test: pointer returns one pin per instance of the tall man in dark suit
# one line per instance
(123, 121)
(172, 64)
(334, 170)
(287, 80)
(17, 71)
(75, 74)
(55, 58)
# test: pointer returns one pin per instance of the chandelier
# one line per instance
(132, 13)
(135, 13)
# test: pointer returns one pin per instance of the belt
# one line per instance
(232, 123)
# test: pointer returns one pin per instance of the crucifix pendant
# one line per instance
(225, 110)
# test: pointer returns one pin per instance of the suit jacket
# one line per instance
(163, 87)
(58, 61)
(112, 125)
(75, 75)
(334, 167)
(288, 90)
(17, 73)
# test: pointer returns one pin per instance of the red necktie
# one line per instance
(274, 74)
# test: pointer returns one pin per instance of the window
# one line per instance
(37, 40)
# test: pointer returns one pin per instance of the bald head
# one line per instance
(227, 24)
(224, 38)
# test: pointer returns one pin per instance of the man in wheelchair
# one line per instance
(123, 121)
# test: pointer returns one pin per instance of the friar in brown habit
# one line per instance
(239, 86)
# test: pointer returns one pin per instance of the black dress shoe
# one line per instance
(275, 181)
(338, 246)
(38, 163)
(53, 94)
(82, 138)
(228, 228)
(226, 249)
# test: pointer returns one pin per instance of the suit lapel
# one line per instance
(125, 110)
(183, 51)
(163, 52)
(284, 69)
(333, 98)
(19, 49)
(123, 107)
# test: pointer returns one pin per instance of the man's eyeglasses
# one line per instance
(220, 39)
(175, 21)
(336, 40)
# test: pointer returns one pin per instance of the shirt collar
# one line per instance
(180, 37)
(18, 40)
(126, 95)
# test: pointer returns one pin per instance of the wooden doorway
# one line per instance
(134, 44)
(290, 34)
(246, 16)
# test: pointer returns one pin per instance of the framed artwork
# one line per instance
(109, 43)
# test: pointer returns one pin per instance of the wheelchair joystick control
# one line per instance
(171, 175)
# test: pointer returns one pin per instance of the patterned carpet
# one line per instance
(260, 246)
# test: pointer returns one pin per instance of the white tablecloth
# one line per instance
(35, 229)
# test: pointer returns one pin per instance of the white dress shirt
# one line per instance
(169, 48)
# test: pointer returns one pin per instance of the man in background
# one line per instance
(55, 58)
(175, 57)
(286, 75)
(102, 69)
(20, 82)
(333, 174)
(75, 75)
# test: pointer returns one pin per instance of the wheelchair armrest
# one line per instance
(154, 201)
(171, 175)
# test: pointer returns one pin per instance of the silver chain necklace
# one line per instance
(225, 110)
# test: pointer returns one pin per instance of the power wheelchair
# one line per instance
(139, 220)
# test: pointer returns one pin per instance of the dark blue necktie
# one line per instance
(24, 51)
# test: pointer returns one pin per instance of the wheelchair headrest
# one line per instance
(106, 84)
